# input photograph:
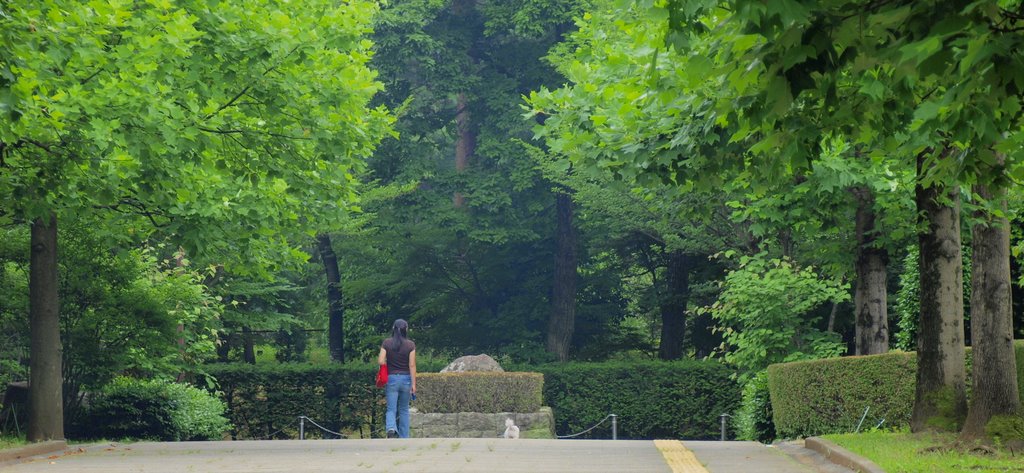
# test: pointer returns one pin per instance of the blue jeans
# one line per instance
(398, 391)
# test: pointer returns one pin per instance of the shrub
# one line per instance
(264, 401)
(655, 399)
(479, 392)
(829, 396)
(754, 418)
(1006, 427)
(155, 410)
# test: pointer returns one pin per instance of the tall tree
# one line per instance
(673, 306)
(770, 81)
(46, 402)
(563, 296)
(228, 126)
(335, 304)
(994, 387)
(476, 277)
(870, 294)
(940, 394)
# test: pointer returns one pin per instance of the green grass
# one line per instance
(10, 441)
(901, 452)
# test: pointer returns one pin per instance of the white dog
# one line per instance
(511, 431)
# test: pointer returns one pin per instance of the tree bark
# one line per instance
(46, 403)
(673, 306)
(563, 294)
(465, 144)
(871, 313)
(335, 308)
(940, 398)
(994, 370)
(248, 353)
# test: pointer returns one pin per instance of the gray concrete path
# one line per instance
(412, 455)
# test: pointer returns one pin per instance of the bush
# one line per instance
(1006, 427)
(155, 410)
(264, 401)
(479, 392)
(829, 396)
(754, 419)
(655, 399)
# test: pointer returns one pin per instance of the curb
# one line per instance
(42, 448)
(841, 456)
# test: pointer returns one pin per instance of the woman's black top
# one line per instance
(398, 359)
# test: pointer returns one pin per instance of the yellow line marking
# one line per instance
(678, 457)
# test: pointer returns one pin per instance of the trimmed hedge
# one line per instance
(652, 399)
(829, 396)
(487, 392)
(264, 401)
(655, 399)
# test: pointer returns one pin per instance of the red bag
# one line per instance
(382, 376)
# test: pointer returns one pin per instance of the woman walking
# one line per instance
(399, 353)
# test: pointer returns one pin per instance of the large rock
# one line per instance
(472, 363)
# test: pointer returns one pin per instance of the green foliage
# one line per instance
(765, 313)
(479, 392)
(120, 312)
(754, 417)
(907, 310)
(829, 396)
(14, 329)
(652, 399)
(1006, 427)
(154, 410)
(264, 401)
(228, 125)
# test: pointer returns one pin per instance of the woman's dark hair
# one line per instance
(399, 332)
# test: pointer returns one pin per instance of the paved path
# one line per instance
(420, 455)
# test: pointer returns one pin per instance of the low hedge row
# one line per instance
(829, 396)
(652, 399)
(264, 401)
(479, 392)
(680, 399)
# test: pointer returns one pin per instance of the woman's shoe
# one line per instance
(392, 434)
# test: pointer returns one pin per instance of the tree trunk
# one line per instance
(673, 306)
(248, 354)
(465, 144)
(46, 403)
(940, 398)
(563, 294)
(872, 317)
(994, 371)
(335, 308)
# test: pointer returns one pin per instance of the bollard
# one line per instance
(615, 427)
(722, 417)
(302, 428)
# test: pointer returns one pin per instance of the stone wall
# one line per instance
(539, 424)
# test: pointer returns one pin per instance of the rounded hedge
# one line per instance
(155, 410)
